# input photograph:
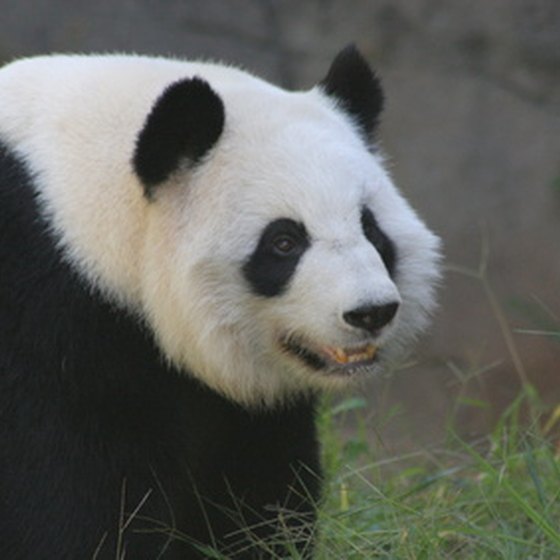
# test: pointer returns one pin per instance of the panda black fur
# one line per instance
(187, 253)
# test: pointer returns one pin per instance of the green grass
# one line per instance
(496, 498)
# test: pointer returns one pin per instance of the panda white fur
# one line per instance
(187, 254)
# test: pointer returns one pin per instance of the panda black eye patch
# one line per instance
(377, 237)
(274, 261)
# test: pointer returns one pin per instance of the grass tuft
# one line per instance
(495, 498)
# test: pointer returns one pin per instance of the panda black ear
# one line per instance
(352, 82)
(185, 122)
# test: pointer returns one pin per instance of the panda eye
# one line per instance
(274, 260)
(377, 237)
(284, 238)
(284, 245)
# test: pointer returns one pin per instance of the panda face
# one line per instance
(298, 264)
(323, 269)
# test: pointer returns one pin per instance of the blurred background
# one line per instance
(472, 130)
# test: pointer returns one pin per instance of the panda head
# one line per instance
(279, 257)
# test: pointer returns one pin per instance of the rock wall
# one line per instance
(472, 128)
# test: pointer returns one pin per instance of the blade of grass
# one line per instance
(520, 501)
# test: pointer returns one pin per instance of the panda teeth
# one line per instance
(351, 356)
(340, 356)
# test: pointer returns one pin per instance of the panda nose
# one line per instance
(371, 318)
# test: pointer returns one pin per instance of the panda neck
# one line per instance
(37, 325)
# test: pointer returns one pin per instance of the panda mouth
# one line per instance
(333, 359)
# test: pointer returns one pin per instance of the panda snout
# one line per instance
(371, 318)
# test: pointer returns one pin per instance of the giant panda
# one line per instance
(188, 256)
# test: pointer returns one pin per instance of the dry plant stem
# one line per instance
(506, 332)
(482, 277)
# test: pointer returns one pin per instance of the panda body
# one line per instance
(187, 254)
